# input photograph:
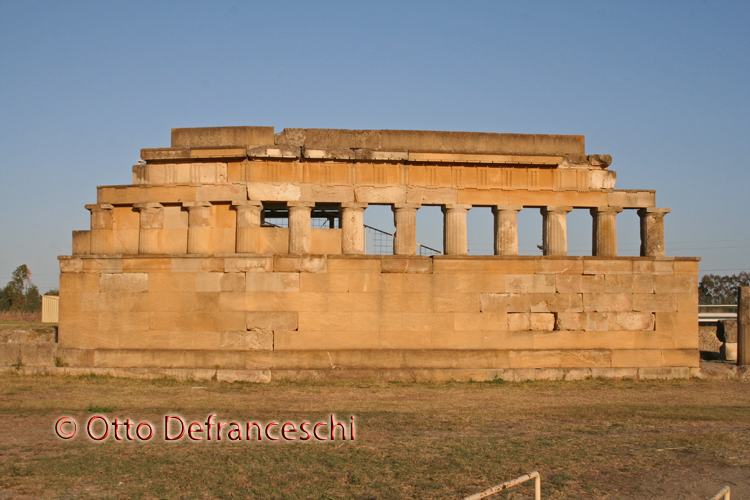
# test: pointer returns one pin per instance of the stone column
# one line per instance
(102, 241)
(604, 234)
(247, 239)
(405, 219)
(300, 233)
(652, 231)
(150, 231)
(555, 230)
(352, 228)
(743, 326)
(455, 240)
(506, 229)
(199, 226)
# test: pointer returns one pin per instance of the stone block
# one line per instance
(347, 339)
(460, 302)
(686, 267)
(570, 321)
(431, 195)
(503, 339)
(249, 264)
(505, 302)
(233, 282)
(467, 283)
(112, 265)
(465, 339)
(607, 302)
(127, 282)
(251, 340)
(146, 264)
(272, 282)
(628, 283)
(550, 265)
(457, 265)
(297, 341)
(542, 321)
(535, 359)
(597, 322)
(172, 282)
(366, 321)
(354, 302)
(650, 265)
(590, 358)
(555, 302)
(653, 340)
(687, 303)
(254, 376)
(407, 302)
(607, 266)
(305, 263)
(485, 321)
(663, 373)
(209, 282)
(71, 265)
(81, 242)
(636, 358)
(519, 321)
(273, 191)
(677, 283)
(409, 265)
(334, 321)
(727, 330)
(682, 324)
(380, 195)
(573, 283)
(405, 340)
(629, 321)
(530, 283)
(662, 302)
(507, 265)
(353, 263)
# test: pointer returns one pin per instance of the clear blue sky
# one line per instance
(661, 86)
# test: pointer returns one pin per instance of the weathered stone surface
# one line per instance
(727, 330)
(128, 282)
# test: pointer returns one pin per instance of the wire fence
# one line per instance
(379, 242)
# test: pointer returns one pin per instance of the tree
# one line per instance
(20, 293)
(715, 289)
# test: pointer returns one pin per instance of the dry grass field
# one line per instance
(589, 439)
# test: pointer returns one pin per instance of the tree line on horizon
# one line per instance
(20, 294)
(720, 290)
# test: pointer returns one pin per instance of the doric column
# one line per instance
(352, 228)
(604, 234)
(555, 230)
(455, 240)
(150, 231)
(652, 231)
(199, 226)
(300, 234)
(506, 229)
(248, 219)
(101, 229)
(405, 219)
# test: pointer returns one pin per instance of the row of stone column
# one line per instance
(455, 241)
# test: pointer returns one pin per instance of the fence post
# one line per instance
(743, 326)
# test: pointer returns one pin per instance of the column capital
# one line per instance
(598, 210)
(350, 204)
(457, 206)
(194, 204)
(300, 204)
(246, 204)
(146, 206)
(400, 206)
(99, 206)
(557, 209)
(507, 208)
(653, 210)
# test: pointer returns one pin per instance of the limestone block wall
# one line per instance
(455, 317)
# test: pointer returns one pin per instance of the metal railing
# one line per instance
(379, 242)
(509, 484)
(715, 312)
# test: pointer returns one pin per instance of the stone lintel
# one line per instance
(144, 206)
(606, 209)
(246, 203)
(354, 205)
(211, 137)
(306, 204)
(653, 210)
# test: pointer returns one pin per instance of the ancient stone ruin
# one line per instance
(181, 271)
